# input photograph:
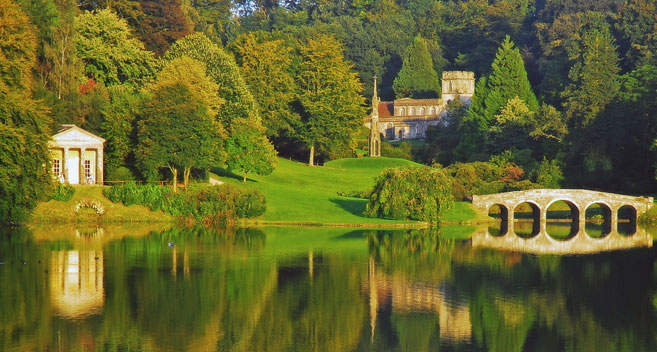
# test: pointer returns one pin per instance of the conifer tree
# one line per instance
(508, 79)
(417, 78)
(594, 76)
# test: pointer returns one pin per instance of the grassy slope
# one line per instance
(296, 192)
(55, 211)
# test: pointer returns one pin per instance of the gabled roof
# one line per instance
(66, 129)
(386, 109)
(417, 102)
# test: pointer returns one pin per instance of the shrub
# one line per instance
(120, 174)
(198, 202)
(403, 151)
(63, 193)
(411, 193)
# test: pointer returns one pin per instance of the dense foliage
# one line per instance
(571, 81)
(24, 156)
(411, 193)
(201, 202)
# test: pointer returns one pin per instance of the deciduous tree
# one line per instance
(110, 53)
(266, 66)
(331, 105)
(179, 130)
(24, 155)
(249, 148)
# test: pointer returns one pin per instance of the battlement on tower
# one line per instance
(459, 84)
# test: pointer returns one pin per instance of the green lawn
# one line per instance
(298, 193)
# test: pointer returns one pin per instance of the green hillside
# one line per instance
(296, 192)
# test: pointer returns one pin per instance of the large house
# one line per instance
(77, 156)
(409, 118)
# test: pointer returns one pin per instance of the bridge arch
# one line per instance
(501, 211)
(562, 224)
(626, 220)
(520, 227)
(599, 218)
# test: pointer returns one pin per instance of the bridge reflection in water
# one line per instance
(580, 243)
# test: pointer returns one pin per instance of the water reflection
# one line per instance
(76, 283)
(563, 237)
(280, 289)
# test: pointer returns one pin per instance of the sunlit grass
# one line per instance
(299, 193)
(62, 212)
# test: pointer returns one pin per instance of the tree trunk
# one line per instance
(311, 162)
(174, 172)
(244, 177)
(186, 173)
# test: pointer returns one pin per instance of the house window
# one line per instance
(422, 111)
(411, 112)
(87, 171)
(56, 167)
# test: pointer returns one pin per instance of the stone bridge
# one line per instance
(577, 199)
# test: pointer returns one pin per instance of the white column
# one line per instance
(83, 178)
(64, 168)
(99, 166)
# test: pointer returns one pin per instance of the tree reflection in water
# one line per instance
(316, 289)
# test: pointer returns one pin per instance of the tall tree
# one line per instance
(594, 76)
(249, 148)
(638, 23)
(508, 79)
(417, 78)
(266, 66)
(331, 105)
(179, 129)
(220, 67)
(162, 24)
(24, 155)
(110, 53)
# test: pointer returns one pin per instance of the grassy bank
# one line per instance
(65, 212)
(298, 194)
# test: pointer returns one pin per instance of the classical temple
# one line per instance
(409, 118)
(77, 156)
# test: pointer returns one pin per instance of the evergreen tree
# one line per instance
(507, 80)
(417, 78)
(594, 76)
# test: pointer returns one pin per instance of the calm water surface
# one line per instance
(290, 289)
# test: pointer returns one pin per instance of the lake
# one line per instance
(141, 288)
